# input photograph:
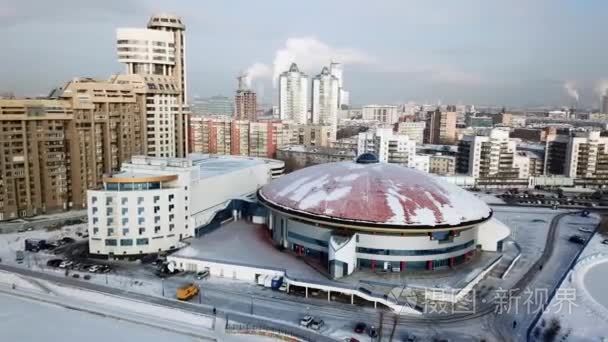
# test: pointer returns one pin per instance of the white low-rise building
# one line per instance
(154, 203)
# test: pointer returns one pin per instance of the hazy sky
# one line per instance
(512, 52)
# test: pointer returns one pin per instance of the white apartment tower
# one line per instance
(337, 70)
(389, 147)
(157, 54)
(325, 93)
(487, 156)
(293, 95)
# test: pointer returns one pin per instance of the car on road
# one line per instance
(585, 230)
(360, 328)
(66, 240)
(306, 321)
(317, 324)
(187, 292)
(66, 264)
(372, 332)
(76, 275)
(87, 277)
(54, 262)
(577, 239)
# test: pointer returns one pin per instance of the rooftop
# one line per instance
(376, 194)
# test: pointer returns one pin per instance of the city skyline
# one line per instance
(453, 53)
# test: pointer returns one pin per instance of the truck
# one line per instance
(268, 281)
(19, 257)
(276, 282)
(35, 245)
(186, 292)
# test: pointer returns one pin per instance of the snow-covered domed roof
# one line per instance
(373, 194)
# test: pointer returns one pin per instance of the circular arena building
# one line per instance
(364, 214)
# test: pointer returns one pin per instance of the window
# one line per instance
(143, 241)
(156, 229)
(171, 197)
(109, 201)
(125, 211)
(95, 230)
(140, 210)
(142, 230)
(110, 221)
(171, 217)
(156, 219)
(156, 209)
(126, 242)
(141, 220)
(110, 242)
(140, 200)
(307, 239)
(95, 219)
(124, 200)
(171, 226)
(94, 209)
(125, 231)
(109, 211)
(110, 231)
(93, 200)
(156, 199)
(171, 207)
(125, 221)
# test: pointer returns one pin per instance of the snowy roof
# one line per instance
(380, 194)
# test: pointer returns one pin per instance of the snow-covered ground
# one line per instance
(488, 198)
(587, 318)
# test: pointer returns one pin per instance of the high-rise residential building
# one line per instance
(383, 114)
(157, 54)
(389, 147)
(293, 95)
(337, 70)
(487, 156)
(440, 127)
(325, 97)
(55, 149)
(413, 129)
(245, 102)
(587, 155)
(604, 104)
(213, 106)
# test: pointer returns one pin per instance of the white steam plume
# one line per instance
(570, 88)
(255, 71)
(309, 53)
(602, 87)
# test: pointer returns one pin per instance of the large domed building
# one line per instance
(365, 214)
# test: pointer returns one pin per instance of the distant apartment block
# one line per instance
(440, 128)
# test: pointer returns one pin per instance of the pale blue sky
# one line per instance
(512, 52)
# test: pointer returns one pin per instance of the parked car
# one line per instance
(105, 268)
(202, 275)
(585, 230)
(54, 262)
(94, 269)
(577, 239)
(317, 324)
(360, 328)
(66, 240)
(19, 256)
(372, 332)
(306, 321)
(76, 275)
(87, 277)
(66, 264)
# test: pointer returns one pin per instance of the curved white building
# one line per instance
(366, 214)
(154, 203)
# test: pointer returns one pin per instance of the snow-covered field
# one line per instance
(586, 319)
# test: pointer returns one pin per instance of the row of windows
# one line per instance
(127, 242)
(306, 239)
(404, 252)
